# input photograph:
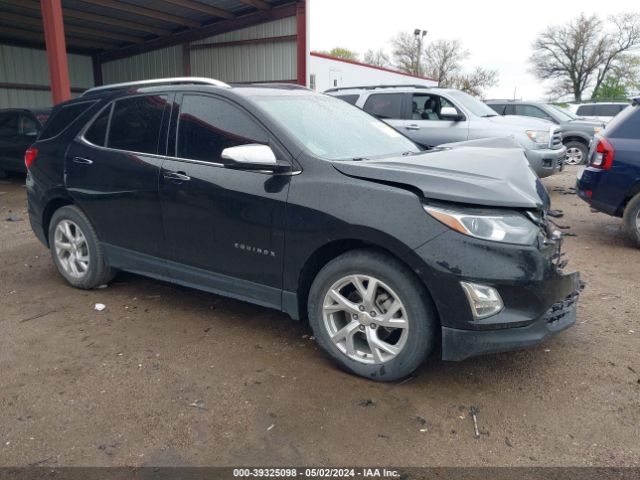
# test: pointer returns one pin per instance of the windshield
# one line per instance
(564, 115)
(332, 129)
(472, 104)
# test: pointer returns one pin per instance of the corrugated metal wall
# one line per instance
(166, 62)
(249, 63)
(274, 61)
(29, 66)
(242, 63)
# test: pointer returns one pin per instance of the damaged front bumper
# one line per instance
(539, 298)
(459, 344)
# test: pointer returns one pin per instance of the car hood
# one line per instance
(488, 172)
(583, 123)
(521, 121)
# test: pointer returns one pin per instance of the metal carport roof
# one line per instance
(112, 29)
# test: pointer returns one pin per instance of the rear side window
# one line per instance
(384, 105)
(585, 110)
(135, 123)
(352, 99)
(64, 117)
(97, 133)
(208, 125)
(28, 125)
(625, 125)
(607, 110)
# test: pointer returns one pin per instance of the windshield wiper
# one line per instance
(488, 115)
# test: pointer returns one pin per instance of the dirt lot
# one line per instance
(171, 376)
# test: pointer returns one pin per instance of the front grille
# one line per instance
(555, 138)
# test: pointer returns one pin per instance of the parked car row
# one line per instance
(576, 132)
(433, 116)
(297, 201)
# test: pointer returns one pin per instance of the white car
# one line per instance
(598, 111)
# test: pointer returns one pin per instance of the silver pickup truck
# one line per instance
(433, 116)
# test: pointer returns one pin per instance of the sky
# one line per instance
(498, 34)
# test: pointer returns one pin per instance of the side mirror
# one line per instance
(253, 157)
(450, 113)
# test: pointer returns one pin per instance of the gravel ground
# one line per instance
(171, 376)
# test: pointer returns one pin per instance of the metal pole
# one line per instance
(56, 50)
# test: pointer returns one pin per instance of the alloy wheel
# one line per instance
(71, 249)
(366, 320)
(575, 156)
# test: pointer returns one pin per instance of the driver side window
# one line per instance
(28, 126)
(428, 106)
(208, 125)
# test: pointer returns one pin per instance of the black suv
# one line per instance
(300, 202)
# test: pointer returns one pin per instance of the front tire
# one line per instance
(75, 249)
(576, 153)
(631, 220)
(372, 315)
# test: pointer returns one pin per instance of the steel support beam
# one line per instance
(301, 31)
(56, 50)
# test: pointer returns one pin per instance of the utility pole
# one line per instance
(419, 34)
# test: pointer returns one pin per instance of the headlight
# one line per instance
(539, 136)
(494, 225)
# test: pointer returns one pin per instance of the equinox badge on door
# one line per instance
(259, 251)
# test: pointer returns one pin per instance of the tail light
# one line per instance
(603, 156)
(29, 156)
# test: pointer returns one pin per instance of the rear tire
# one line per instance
(576, 153)
(371, 314)
(631, 219)
(76, 251)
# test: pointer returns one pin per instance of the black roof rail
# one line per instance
(374, 87)
(157, 83)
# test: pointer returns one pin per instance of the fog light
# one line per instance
(483, 300)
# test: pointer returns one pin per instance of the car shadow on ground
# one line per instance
(278, 329)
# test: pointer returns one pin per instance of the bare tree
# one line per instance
(475, 82)
(406, 52)
(378, 58)
(581, 54)
(443, 60)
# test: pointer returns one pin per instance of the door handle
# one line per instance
(179, 176)
(413, 126)
(82, 160)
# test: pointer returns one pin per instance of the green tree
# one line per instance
(624, 77)
(341, 52)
